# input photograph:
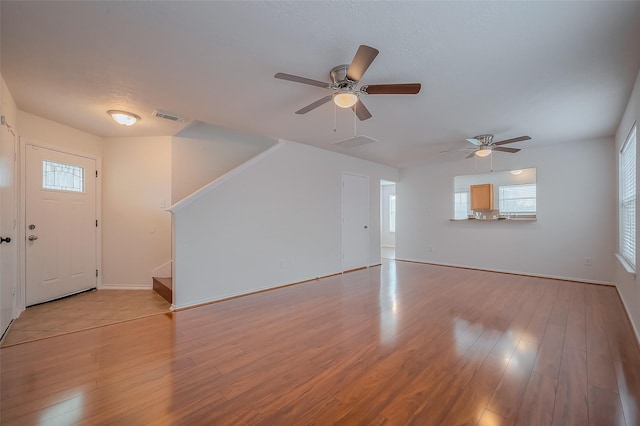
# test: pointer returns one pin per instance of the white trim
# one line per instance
(165, 270)
(214, 184)
(628, 312)
(127, 287)
(506, 271)
(21, 300)
(630, 269)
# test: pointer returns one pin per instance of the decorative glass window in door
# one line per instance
(62, 177)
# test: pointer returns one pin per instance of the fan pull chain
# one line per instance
(335, 117)
(355, 131)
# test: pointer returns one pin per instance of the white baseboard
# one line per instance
(628, 312)
(504, 271)
(126, 287)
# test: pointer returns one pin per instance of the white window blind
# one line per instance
(461, 205)
(517, 198)
(628, 199)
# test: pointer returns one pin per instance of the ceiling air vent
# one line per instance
(168, 116)
(352, 142)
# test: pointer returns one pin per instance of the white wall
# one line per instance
(387, 239)
(136, 228)
(8, 106)
(52, 133)
(576, 215)
(628, 284)
(275, 222)
(203, 152)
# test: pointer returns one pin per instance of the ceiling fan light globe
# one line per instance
(345, 100)
(483, 152)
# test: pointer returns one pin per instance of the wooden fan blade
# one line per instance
(512, 150)
(361, 61)
(361, 111)
(476, 142)
(392, 89)
(471, 155)
(314, 105)
(521, 138)
(303, 80)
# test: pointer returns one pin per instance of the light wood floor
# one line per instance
(403, 343)
(83, 311)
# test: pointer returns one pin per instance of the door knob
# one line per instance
(32, 237)
(5, 240)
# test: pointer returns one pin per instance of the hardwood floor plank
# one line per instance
(404, 343)
(605, 408)
(600, 371)
(572, 394)
(548, 361)
(471, 400)
(624, 353)
(576, 334)
(489, 418)
(538, 401)
(508, 394)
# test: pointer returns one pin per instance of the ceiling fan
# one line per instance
(344, 84)
(484, 145)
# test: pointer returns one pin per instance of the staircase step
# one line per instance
(164, 287)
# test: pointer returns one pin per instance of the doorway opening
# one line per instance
(387, 219)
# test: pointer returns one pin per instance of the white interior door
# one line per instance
(61, 224)
(8, 251)
(355, 221)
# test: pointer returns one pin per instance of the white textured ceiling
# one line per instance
(557, 71)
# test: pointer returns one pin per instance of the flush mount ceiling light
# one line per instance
(123, 117)
(483, 151)
(516, 172)
(345, 99)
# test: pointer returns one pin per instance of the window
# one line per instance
(62, 177)
(460, 204)
(392, 213)
(628, 199)
(517, 198)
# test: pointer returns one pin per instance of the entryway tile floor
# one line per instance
(83, 311)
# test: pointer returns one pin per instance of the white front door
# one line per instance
(355, 221)
(8, 251)
(60, 218)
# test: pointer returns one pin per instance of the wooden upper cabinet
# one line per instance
(482, 197)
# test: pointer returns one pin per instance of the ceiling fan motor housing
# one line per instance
(484, 139)
(339, 80)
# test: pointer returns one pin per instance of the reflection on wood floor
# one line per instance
(82, 311)
(403, 343)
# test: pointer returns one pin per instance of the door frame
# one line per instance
(368, 248)
(22, 220)
(16, 247)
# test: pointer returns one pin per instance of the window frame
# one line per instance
(627, 201)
